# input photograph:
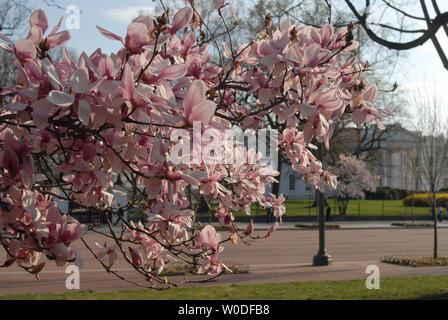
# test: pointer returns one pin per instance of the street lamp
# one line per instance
(322, 258)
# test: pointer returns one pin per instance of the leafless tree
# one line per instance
(407, 23)
(12, 16)
(431, 146)
(13, 23)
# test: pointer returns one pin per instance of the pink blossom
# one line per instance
(250, 227)
(279, 208)
(196, 107)
(136, 257)
(181, 19)
(110, 251)
(74, 128)
(39, 25)
(25, 50)
(272, 228)
(15, 155)
(208, 238)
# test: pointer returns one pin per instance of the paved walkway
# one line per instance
(343, 225)
(285, 256)
(290, 225)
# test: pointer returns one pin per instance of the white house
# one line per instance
(391, 168)
(292, 186)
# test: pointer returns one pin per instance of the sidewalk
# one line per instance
(344, 225)
(286, 256)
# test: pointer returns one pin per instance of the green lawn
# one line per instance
(366, 208)
(426, 287)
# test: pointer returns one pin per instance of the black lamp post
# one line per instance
(322, 258)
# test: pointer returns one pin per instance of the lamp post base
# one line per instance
(322, 258)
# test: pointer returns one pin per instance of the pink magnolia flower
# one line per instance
(224, 215)
(62, 231)
(136, 257)
(317, 126)
(196, 106)
(211, 184)
(63, 228)
(211, 263)
(279, 208)
(330, 179)
(39, 25)
(362, 106)
(208, 239)
(273, 228)
(250, 228)
(25, 50)
(15, 155)
(170, 217)
(106, 250)
(137, 36)
(293, 144)
(181, 19)
(218, 4)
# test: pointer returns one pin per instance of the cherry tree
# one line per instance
(353, 179)
(71, 126)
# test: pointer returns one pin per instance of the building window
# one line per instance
(292, 182)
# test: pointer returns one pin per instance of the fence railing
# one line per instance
(307, 207)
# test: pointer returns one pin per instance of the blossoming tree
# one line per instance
(353, 180)
(68, 128)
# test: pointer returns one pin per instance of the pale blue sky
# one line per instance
(422, 65)
(113, 15)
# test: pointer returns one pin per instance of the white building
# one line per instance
(391, 166)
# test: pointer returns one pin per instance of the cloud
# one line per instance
(128, 14)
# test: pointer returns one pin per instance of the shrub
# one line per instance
(412, 224)
(316, 226)
(386, 193)
(416, 261)
(424, 200)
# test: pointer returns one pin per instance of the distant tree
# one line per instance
(353, 180)
(431, 147)
(12, 15)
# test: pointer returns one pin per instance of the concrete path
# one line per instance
(343, 225)
(284, 257)
(290, 225)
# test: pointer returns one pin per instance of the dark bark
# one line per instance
(342, 204)
(276, 185)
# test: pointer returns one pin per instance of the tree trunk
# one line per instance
(345, 205)
(434, 206)
(276, 185)
(342, 206)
